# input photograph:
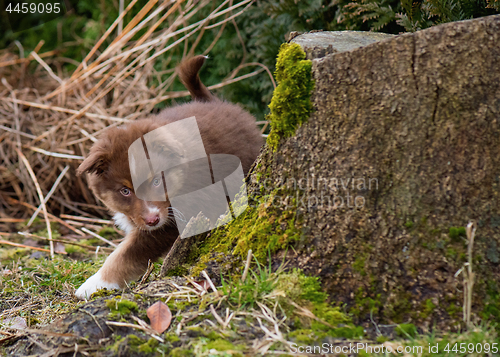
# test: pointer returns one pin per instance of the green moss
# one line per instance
(122, 307)
(181, 352)
(263, 228)
(134, 340)
(178, 271)
(108, 232)
(409, 224)
(454, 310)
(181, 305)
(365, 305)
(291, 104)
(72, 249)
(406, 330)
(100, 293)
(116, 345)
(348, 332)
(7, 255)
(306, 291)
(359, 265)
(148, 347)
(300, 288)
(172, 337)
(456, 233)
(427, 309)
(220, 345)
(302, 336)
(381, 339)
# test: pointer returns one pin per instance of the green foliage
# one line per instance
(373, 15)
(423, 14)
(291, 103)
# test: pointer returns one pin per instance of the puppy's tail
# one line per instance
(188, 74)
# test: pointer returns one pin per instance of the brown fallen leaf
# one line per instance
(160, 316)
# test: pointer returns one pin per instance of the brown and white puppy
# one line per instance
(225, 128)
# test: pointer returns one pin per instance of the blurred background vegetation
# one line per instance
(253, 36)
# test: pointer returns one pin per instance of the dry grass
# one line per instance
(52, 118)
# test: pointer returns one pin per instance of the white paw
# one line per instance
(94, 283)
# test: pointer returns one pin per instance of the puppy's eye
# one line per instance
(156, 182)
(125, 191)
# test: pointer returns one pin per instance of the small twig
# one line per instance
(27, 59)
(52, 190)
(65, 241)
(56, 154)
(51, 216)
(99, 237)
(40, 195)
(138, 327)
(44, 65)
(210, 282)
(86, 219)
(147, 273)
(27, 246)
(247, 266)
(217, 317)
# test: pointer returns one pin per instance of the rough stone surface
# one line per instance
(419, 116)
(318, 44)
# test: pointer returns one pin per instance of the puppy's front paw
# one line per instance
(94, 283)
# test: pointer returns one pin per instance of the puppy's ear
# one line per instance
(96, 162)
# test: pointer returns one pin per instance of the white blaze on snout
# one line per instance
(152, 209)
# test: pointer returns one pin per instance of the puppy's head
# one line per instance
(109, 177)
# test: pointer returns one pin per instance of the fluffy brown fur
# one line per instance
(225, 128)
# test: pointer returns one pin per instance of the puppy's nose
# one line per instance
(152, 220)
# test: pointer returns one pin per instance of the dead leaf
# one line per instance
(160, 316)
(14, 322)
